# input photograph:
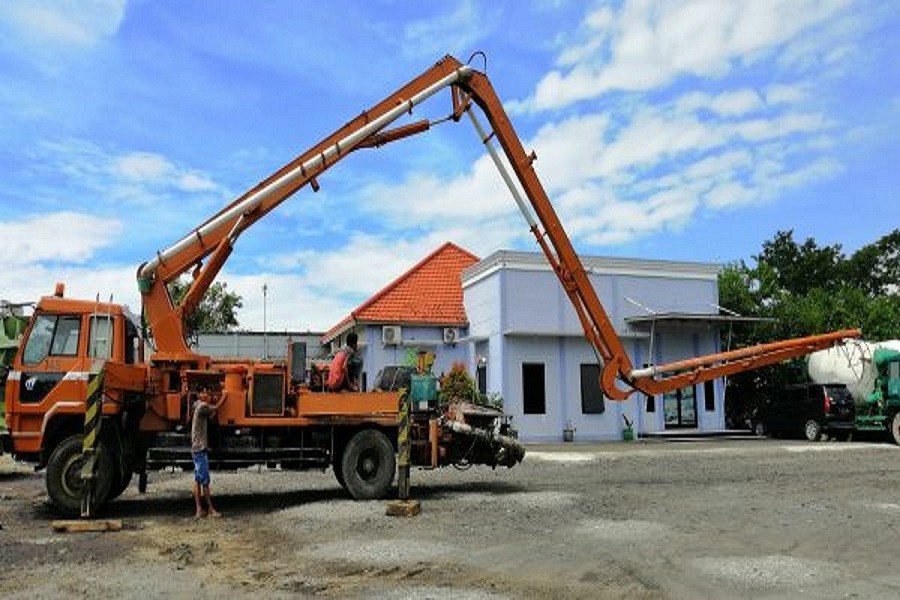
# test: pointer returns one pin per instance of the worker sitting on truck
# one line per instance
(203, 410)
(343, 373)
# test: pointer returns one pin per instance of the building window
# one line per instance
(481, 378)
(533, 396)
(709, 396)
(651, 403)
(591, 394)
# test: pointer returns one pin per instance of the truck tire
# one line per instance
(368, 465)
(64, 485)
(121, 485)
(339, 473)
(895, 428)
(812, 430)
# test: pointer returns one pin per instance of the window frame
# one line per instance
(528, 395)
(589, 377)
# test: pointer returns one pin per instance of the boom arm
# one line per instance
(215, 238)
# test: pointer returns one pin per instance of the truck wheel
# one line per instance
(339, 473)
(64, 485)
(895, 428)
(812, 430)
(368, 465)
(123, 482)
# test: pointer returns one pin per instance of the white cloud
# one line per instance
(291, 303)
(40, 250)
(629, 171)
(786, 94)
(63, 236)
(452, 32)
(154, 169)
(194, 181)
(140, 166)
(421, 199)
(64, 22)
(645, 45)
(137, 177)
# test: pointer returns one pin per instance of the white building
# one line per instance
(528, 345)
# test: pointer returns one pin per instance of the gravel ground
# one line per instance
(713, 519)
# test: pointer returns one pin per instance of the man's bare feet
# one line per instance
(199, 515)
(215, 514)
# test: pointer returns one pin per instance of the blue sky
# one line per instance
(683, 130)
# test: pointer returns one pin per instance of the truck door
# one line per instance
(50, 369)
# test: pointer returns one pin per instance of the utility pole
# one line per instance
(265, 330)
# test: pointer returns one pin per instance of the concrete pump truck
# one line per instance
(85, 403)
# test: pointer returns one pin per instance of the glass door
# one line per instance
(680, 408)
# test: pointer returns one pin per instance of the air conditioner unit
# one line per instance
(450, 335)
(390, 335)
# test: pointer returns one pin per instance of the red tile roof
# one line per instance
(429, 293)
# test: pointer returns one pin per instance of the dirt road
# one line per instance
(722, 519)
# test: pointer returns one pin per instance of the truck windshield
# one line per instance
(52, 334)
(38, 346)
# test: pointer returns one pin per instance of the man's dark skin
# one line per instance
(203, 397)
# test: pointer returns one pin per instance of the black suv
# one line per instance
(810, 410)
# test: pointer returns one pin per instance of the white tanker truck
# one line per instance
(871, 372)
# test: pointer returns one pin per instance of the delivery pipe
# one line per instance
(302, 171)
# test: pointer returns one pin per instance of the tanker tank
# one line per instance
(850, 364)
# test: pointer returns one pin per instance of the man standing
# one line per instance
(202, 412)
(343, 373)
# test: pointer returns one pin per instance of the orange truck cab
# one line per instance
(66, 344)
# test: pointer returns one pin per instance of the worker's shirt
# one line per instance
(337, 371)
(199, 438)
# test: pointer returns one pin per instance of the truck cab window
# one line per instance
(131, 342)
(38, 346)
(65, 338)
(101, 337)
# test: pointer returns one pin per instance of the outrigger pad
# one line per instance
(403, 508)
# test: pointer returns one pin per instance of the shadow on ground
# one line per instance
(252, 503)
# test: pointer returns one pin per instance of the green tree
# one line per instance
(216, 312)
(457, 385)
(803, 289)
(876, 267)
(799, 268)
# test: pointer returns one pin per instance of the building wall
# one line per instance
(377, 355)
(253, 344)
(522, 315)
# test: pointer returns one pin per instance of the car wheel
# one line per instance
(759, 429)
(64, 484)
(812, 430)
(368, 465)
(895, 428)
